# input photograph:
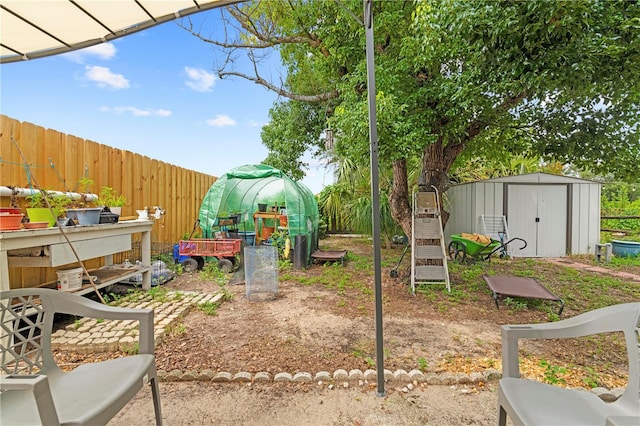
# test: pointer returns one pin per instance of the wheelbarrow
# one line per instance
(464, 249)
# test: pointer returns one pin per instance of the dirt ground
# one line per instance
(198, 403)
(323, 319)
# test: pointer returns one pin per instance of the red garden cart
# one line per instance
(226, 251)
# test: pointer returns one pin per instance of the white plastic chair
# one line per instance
(34, 390)
(528, 402)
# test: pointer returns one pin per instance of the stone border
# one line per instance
(354, 377)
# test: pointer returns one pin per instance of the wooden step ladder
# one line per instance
(428, 249)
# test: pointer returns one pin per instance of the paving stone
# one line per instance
(617, 392)
(371, 375)
(189, 375)
(222, 376)
(462, 379)
(401, 375)
(303, 377)
(604, 394)
(340, 374)
(324, 376)
(173, 376)
(262, 376)
(448, 379)
(433, 379)
(388, 375)
(492, 374)
(241, 377)
(282, 377)
(417, 375)
(356, 374)
(476, 377)
(205, 376)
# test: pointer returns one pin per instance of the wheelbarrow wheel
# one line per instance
(225, 265)
(190, 265)
(457, 251)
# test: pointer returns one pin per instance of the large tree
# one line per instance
(455, 79)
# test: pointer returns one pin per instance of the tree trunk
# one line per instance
(436, 163)
(399, 199)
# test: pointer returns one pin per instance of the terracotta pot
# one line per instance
(267, 231)
(10, 222)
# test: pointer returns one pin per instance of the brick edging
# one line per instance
(357, 377)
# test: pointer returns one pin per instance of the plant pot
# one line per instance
(10, 222)
(262, 208)
(90, 216)
(267, 231)
(41, 214)
(11, 210)
(116, 210)
(625, 248)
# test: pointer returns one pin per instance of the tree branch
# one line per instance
(280, 91)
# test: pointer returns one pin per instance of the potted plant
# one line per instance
(46, 207)
(110, 198)
(83, 210)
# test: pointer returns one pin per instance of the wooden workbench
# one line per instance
(45, 248)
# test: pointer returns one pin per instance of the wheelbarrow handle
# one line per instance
(519, 239)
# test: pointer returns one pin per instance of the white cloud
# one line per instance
(137, 112)
(221, 121)
(103, 51)
(199, 80)
(105, 78)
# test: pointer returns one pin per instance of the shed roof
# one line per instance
(537, 177)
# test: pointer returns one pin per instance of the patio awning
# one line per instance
(32, 29)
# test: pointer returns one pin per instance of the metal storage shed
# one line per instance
(556, 215)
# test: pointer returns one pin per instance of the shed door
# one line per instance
(538, 214)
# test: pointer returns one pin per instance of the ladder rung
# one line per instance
(430, 272)
(429, 252)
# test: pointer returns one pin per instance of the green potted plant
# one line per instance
(110, 198)
(84, 210)
(46, 207)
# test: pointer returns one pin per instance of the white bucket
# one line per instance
(69, 279)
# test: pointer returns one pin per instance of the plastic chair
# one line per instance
(529, 402)
(36, 391)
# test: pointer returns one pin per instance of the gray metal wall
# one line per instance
(467, 202)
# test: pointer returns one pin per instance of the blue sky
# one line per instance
(154, 93)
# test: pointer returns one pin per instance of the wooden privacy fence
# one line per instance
(59, 161)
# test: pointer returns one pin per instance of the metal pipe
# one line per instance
(6, 191)
(375, 191)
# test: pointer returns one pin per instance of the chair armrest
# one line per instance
(39, 386)
(603, 320)
(81, 306)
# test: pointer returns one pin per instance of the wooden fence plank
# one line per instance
(142, 180)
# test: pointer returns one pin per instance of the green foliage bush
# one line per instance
(621, 199)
